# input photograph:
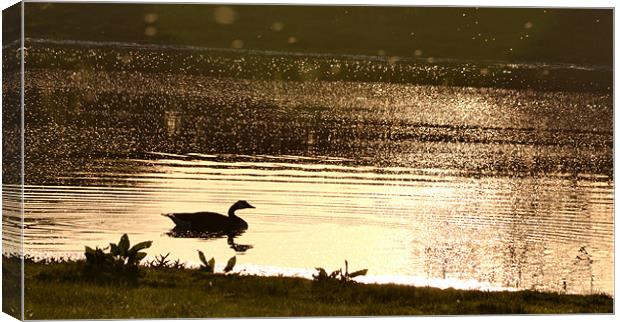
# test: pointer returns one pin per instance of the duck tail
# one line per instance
(180, 223)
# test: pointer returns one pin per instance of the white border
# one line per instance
(469, 3)
(429, 3)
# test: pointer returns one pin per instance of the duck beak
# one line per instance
(250, 206)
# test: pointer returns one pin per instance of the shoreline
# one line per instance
(56, 290)
(306, 273)
(258, 270)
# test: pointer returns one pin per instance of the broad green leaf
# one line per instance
(231, 263)
(123, 245)
(212, 263)
(88, 250)
(139, 256)
(203, 259)
(358, 273)
(140, 246)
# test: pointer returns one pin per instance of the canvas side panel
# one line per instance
(12, 162)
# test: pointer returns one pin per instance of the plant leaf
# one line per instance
(322, 272)
(123, 245)
(231, 263)
(90, 254)
(335, 274)
(203, 259)
(140, 246)
(139, 256)
(212, 263)
(358, 273)
(114, 249)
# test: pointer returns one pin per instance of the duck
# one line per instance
(211, 221)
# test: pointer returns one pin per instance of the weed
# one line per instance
(336, 275)
(119, 264)
(177, 264)
(209, 266)
(160, 261)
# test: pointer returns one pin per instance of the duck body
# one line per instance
(211, 221)
(207, 221)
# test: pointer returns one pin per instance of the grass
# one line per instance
(11, 286)
(57, 291)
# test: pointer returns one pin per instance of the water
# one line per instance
(478, 186)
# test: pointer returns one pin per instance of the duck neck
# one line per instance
(231, 211)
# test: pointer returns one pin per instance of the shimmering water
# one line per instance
(478, 186)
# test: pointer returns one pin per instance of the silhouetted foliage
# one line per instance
(209, 266)
(162, 262)
(338, 275)
(120, 264)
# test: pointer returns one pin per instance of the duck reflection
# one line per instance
(239, 248)
(230, 236)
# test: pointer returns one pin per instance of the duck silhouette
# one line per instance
(210, 221)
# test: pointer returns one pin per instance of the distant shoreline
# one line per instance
(299, 66)
(506, 34)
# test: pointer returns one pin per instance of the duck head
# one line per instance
(242, 204)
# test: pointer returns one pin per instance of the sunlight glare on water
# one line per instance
(418, 223)
(492, 187)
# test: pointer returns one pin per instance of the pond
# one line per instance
(469, 184)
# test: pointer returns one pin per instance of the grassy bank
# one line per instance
(56, 291)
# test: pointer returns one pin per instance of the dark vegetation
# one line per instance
(162, 262)
(120, 263)
(209, 266)
(70, 289)
(51, 293)
(11, 286)
(338, 275)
